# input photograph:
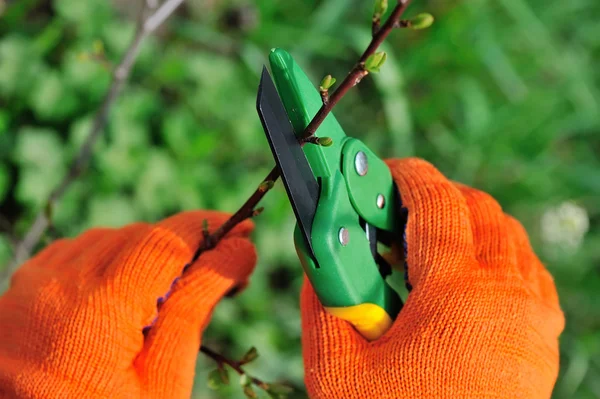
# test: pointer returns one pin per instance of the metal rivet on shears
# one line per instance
(344, 236)
(361, 163)
(380, 201)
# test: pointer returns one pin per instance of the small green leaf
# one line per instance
(375, 61)
(327, 82)
(380, 9)
(249, 356)
(214, 379)
(325, 141)
(421, 21)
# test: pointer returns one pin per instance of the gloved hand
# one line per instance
(72, 322)
(482, 319)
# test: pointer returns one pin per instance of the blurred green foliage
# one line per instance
(502, 95)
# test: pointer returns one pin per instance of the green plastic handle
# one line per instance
(343, 272)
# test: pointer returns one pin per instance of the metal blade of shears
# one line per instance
(299, 181)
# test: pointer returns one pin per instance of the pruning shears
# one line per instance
(344, 199)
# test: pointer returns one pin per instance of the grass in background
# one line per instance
(502, 95)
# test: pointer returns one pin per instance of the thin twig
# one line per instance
(246, 211)
(355, 75)
(221, 360)
(358, 72)
(145, 27)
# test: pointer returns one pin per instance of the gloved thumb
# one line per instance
(168, 359)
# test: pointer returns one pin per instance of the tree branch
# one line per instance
(358, 72)
(351, 80)
(145, 27)
(246, 211)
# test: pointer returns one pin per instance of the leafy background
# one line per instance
(502, 95)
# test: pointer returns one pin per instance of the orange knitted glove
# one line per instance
(72, 324)
(482, 319)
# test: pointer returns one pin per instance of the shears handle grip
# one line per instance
(364, 300)
(370, 320)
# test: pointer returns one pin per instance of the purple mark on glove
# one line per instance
(159, 303)
(404, 212)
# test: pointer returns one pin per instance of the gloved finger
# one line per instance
(493, 247)
(537, 278)
(540, 283)
(168, 359)
(326, 339)
(439, 238)
(500, 240)
(155, 256)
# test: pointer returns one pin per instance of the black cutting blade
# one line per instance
(299, 181)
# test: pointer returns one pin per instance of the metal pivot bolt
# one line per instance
(380, 201)
(344, 236)
(361, 164)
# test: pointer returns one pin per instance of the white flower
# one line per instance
(565, 225)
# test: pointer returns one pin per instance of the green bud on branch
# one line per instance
(380, 8)
(326, 83)
(322, 141)
(246, 383)
(375, 61)
(257, 211)
(421, 21)
(325, 141)
(249, 356)
(266, 186)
